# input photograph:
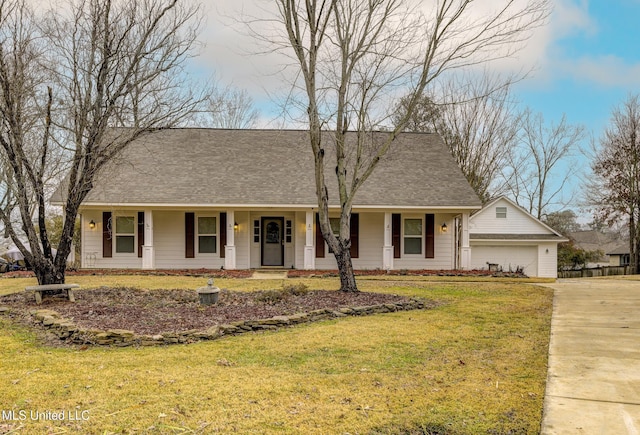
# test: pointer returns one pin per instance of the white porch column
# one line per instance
(309, 250)
(230, 248)
(465, 248)
(387, 249)
(148, 253)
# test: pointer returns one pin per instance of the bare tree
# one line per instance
(537, 179)
(352, 57)
(230, 107)
(614, 192)
(477, 120)
(67, 82)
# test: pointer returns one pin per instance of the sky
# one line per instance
(590, 65)
(584, 62)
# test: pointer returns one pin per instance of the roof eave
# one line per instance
(454, 208)
(554, 240)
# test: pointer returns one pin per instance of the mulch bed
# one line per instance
(162, 311)
(291, 273)
(216, 273)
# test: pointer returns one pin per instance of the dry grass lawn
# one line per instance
(476, 364)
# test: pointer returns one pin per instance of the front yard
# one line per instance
(475, 364)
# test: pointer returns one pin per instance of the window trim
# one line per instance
(625, 259)
(256, 232)
(288, 231)
(197, 235)
(114, 223)
(421, 236)
(335, 233)
(321, 247)
(501, 212)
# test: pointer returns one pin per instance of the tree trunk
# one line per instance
(634, 241)
(48, 274)
(345, 268)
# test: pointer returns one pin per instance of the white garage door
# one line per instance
(509, 257)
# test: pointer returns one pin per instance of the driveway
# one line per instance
(593, 381)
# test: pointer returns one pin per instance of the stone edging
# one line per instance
(65, 329)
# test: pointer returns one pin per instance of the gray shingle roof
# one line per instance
(272, 167)
(620, 250)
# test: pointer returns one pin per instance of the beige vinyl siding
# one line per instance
(92, 244)
(444, 247)
(547, 261)
(371, 240)
(516, 222)
(169, 243)
(615, 260)
(300, 235)
(242, 239)
(91, 240)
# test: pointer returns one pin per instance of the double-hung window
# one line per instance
(413, 236)
(207, 235)
(335, 226)
(125, 234)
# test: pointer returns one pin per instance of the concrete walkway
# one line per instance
(593, 381)
(269, 274)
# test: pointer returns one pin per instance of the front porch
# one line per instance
(217, 238)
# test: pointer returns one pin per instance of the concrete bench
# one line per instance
(39, 289)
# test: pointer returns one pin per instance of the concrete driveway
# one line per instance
(593, 381)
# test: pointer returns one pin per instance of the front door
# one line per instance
(272, 241)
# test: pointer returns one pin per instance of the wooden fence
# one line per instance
(597, 271)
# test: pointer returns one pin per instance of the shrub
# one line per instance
(274, 296)
(270, 296)
(295, 289)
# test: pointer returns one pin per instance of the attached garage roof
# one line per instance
(523, 237)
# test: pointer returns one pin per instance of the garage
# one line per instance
(507, 258)
(505, 236)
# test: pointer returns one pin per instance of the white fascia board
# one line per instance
(518, 241)
(443, 209)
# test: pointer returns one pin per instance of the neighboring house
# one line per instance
(5, 244)
(593, 240)
(620, 255)
(505, 236)
(241, 199)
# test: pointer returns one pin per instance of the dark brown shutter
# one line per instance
(319, 239)
(429, 236)
(189, 235)
(396, 228)
(355, 229)
(107, 240)
(140, 232)
(223, 234)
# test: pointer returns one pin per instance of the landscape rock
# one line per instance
(66, 329)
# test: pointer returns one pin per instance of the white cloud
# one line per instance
(234, 56)
(541, 55)
(570, 17)
(229, 50)
(608, 71)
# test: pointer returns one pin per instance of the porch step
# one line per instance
(269, 274)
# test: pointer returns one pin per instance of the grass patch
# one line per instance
(477, 364)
